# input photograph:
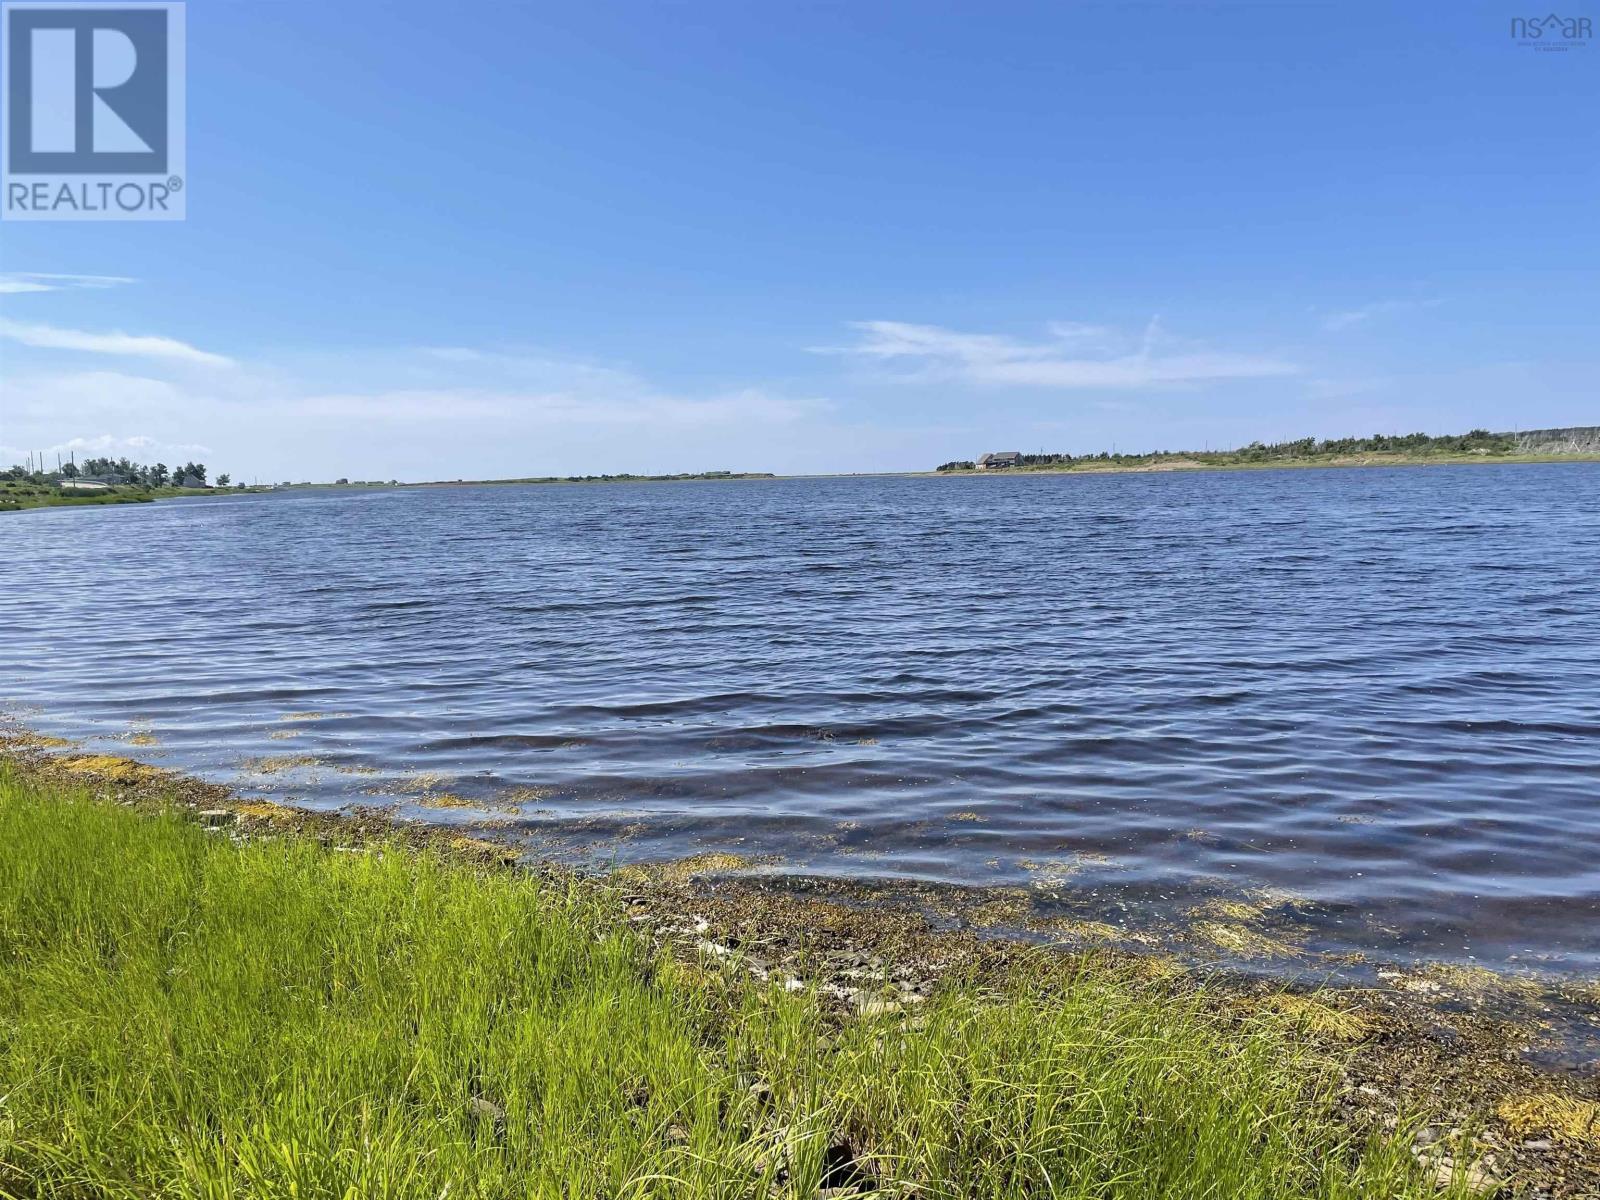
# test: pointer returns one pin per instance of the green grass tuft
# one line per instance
(181, 1016)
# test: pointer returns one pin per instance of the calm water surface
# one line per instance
(1369, 698)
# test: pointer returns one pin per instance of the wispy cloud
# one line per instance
(14, 282)
(50, 337)
(1073, 356)
(493, 407)
(1337, 321)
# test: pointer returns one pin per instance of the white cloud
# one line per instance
(1074, 356)
(1338, 321)
(15, 282)
(50, 337)
(79, 398)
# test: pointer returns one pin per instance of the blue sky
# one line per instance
(431, 241)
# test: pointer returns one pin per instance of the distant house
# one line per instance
(192, 481)
(1000, 460)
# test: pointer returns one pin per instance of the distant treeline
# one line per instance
(622, 478)
(1476, 441)
(625, 478)
(121, 471)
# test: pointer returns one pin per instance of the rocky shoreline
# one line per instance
(1459, 1072)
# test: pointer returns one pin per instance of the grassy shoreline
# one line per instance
(204, 996)
(19, 497)
(194, 1017)
(1330, 462)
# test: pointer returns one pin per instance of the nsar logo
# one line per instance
(1551, 32)
(94, 122)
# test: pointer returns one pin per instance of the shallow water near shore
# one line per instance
(1345, 712)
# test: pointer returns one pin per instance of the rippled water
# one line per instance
(1367, 697)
